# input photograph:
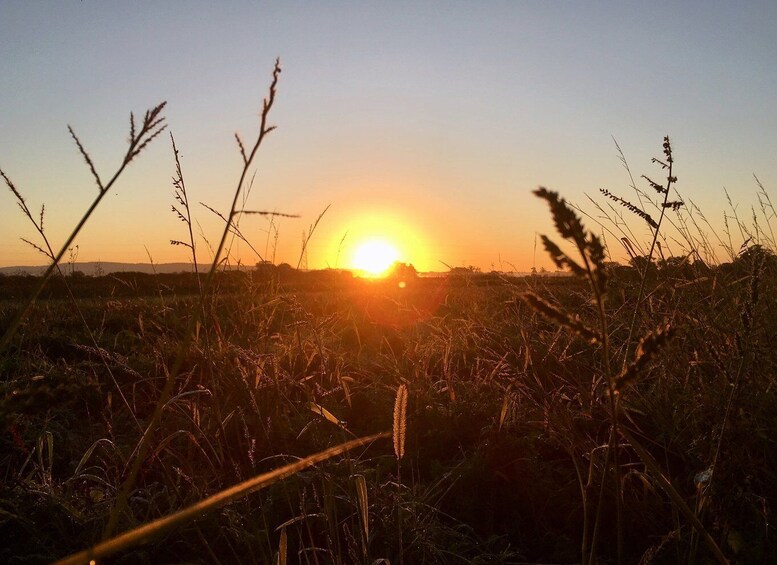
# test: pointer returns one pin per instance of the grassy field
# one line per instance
(623, 414)
(506, 429)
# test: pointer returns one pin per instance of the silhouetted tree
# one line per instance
(404, 271)
(639, 263)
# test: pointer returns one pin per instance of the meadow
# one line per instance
(621, 414)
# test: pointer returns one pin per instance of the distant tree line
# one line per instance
(284, 277)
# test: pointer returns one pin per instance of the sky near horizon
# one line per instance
(427, 124)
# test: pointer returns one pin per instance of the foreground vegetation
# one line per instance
(623, 414)
(502, 427)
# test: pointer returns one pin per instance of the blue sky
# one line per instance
(430, 121)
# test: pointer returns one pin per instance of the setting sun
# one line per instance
(374, 257)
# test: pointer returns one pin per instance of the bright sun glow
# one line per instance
(374, 257)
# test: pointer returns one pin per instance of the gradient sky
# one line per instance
(426, 122)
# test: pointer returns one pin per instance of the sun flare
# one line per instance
(374, 257)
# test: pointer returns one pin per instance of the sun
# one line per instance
(374, 257)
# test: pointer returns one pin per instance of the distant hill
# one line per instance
(103, 267)
(93, 268)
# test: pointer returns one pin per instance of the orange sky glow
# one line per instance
(424, 127)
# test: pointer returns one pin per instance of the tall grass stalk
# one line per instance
(153, 125)
(668, 164)
(399, 433)
(154, 529)
(48, 252)
(306, 235)
(184, 213)
(592, 254)
(592, 267)
(145, 441)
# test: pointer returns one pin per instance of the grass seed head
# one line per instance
(646, 350)
(562, 318)
(400, 421)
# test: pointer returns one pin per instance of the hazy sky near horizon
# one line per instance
(427, 123)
